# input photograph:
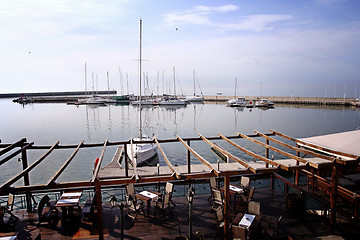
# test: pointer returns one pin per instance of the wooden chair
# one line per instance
(220, 219)
(218, 200)
(88, 210)
(253, 208)
(213, 185)
(133, 206)
(271, 229)
(47, 211)
(239, 233)
(169, 188)
(163, 205)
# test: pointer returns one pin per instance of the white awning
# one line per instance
(346, 142)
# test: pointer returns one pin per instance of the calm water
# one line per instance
(46, 124)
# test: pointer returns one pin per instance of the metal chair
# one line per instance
(253, 208)
(9, 208)
(213, 185)
(239, 233)
(245, 182)
(163, 205)
(218, 200)
(272, 228)
(130, 189)
(133, 206)
(244, 199)
(169, 188)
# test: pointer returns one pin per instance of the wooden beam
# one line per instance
(171, 167)
(4, 160)
(58, 173)
(297, 149)
(254, 154)
(198, 156)
(14, 145)
(28, 169)
(341, 161)
(275, 149)
(97, 168)
(229, 155)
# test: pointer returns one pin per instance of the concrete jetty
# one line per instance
(293, 100)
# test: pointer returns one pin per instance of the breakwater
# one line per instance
(55, 94)
(293, 100)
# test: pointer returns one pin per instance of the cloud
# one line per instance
(257, 22)
(201, 15)
(329, 2)
(198, 15)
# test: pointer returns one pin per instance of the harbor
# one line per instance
(73, 98)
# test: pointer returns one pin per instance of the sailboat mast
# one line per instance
(235, 87)
(194, 80)
(174, 82)
(140, 70)
(85, 82)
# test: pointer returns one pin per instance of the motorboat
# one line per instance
(261, 103)
(250, 103)
(238, 102)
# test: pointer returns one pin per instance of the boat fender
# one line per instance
(96, 162)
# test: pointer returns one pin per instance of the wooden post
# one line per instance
(227, 232)
(188, 158)
(333, 195)
(312, 181)
(126, 164)
(99, 209)
(26, 178)
(267, 152)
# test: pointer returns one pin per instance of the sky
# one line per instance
(306, 48)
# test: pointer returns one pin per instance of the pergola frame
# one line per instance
(96, 183)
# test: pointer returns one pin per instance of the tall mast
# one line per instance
(140, 59)
(85, 82)
(174, 82)
(235, 87)
(107, 76)
(194, 80)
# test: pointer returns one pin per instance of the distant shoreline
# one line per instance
(57, 97)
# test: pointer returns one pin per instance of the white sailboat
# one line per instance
(194, 98)
(237, 101)
(141, 153)
(173, 100)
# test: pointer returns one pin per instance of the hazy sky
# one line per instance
(277, 47)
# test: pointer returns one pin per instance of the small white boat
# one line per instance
(92, 100)
(250, 103)
(172, 101)
(261, 103)
(195, 98)
(269, 103)
(141, 153)
(238, 102)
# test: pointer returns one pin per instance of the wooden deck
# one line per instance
(273, 204)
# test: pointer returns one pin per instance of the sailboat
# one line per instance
(172, 100)
(237, 101)
(141, 153)
(194, 98)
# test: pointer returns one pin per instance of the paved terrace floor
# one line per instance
(273, 204)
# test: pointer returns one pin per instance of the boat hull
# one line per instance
(141, 153)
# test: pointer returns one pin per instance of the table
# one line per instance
(233, 190)
(67, 202)
(253, 220)
(148, 196)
